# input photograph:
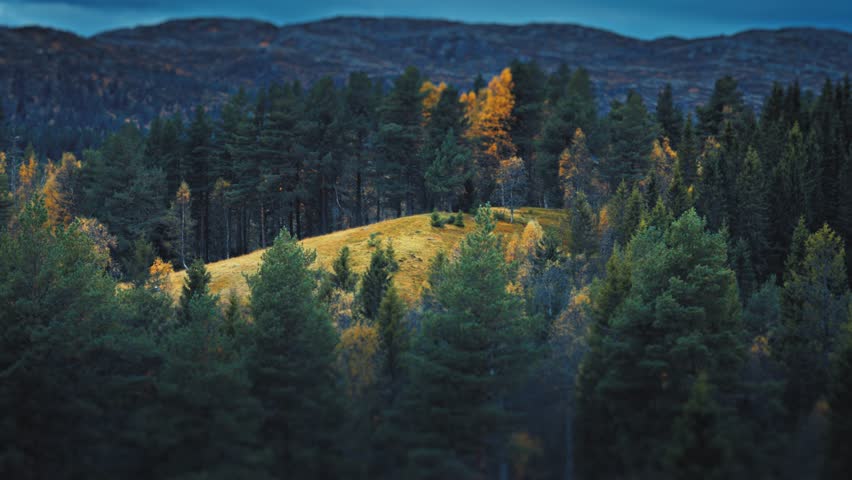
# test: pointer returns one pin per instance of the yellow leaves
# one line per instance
(524, 249)
(431, 96)
(663, 158)
(101, 239)
(489, 113)
(183, 196)
(357, 357)
(26, 179)
(603, 219)
(58, 189)
(158, 273)
(2, 163)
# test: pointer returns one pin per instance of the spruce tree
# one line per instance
(838, 461)
(342, 275)
(393, 332)
(689, 150)
(582, 235)
(698, 448)
(470, 353)
(375, 281)
(632, 132)
(657, 326)
(196, 285)
(669, 117)
(753, 206)
(814, 305)
(291, 364)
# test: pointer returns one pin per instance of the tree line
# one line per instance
(689, 318)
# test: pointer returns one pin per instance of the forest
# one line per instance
(689, 317)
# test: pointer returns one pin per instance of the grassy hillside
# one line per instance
(416, 242)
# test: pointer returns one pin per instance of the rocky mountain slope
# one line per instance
(49, 76)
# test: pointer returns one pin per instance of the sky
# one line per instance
(643, 19)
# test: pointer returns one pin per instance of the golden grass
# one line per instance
(415, 241)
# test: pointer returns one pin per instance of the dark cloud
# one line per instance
(647, 19)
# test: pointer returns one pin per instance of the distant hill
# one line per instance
(415, 241)
(57, 78)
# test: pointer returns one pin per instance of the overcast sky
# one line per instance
(644, 19)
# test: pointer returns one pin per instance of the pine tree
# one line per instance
(659, 217)
(632, 131)
(375, 281)
(669, 117)
(688, 153)
(698, 448)
(468, 356)
(753, 216)
(196, 285)
(725, 104)
(657, 326)
(392, 331)
(399, 136)
(63, 378)
(446, 175)
(712, 188)
(838, 461)
(342, 275)
(292, 363)
(679, 198)
(814, 306)
(582, 236)
(575, 109)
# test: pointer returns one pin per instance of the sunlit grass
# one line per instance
(415, 241)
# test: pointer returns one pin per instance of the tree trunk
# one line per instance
(359, 214)
(262, 225)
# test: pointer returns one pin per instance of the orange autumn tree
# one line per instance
(431, 96)
(27, 179)
(663, 159)
(59, 188)
(575, 168)
(489, 114)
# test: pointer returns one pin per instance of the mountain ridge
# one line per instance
(58, 78)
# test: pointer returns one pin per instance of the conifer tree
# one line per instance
(399, 136)
(468, 356)
(669, 117)
(753, 216)
(291, 364)
(392, 331)
(657, 326)
(698, 448)
(814, 305)
(342, 275)
(196, 285)
(582, 236)
(574, 109)
(688, 153)
(712, 198)
(446, 175)
(838, 462)
(375, 281)
(679, 197)
(632, 132)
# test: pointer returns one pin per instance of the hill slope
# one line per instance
(416, 242)
(52, 76)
